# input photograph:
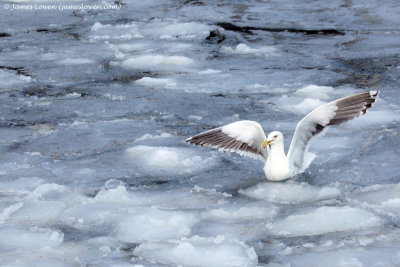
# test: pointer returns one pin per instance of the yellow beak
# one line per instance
(266, 143)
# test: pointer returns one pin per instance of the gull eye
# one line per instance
(275, 136)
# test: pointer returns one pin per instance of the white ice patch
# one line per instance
(315, 91)
(209, 72)
(117, 195)
(377, 117)
(34, 238)
(306, 106)
(384, 199)
(152, 224)
(47, 191)
(114, 97)
(8, 211)
(168, 160)
(265, 88)
(117, 32)
(38, 211)
(9, 79)
(157, 82)
(155, 62)
(151, 136)
(21, 186)
(171, 29)
(199, 251)
(76, 61)
(324, 220)
(245, 49)
(289, 193)
(244, 212)
(156, 29)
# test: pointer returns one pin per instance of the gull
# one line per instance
(247, 138)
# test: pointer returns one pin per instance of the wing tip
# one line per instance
(374, 94)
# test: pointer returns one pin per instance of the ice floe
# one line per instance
(200, 251)
(324, 220)
(290, 192)
(168, 160)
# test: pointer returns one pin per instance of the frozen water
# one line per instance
(290, 192)
(96, 104)
(168, 160)
(200, 251)
(324, 220)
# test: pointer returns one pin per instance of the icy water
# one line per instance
(95, 105)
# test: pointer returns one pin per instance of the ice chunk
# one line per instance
(22, 186)
(290, 192)
(17, 238)
(157, 82)
(117, 195)
(170, 29)
(39, 211)
(209, 72)
(75, 61)
(152, 224)
(384, 199)
(243, 212)
(245, 49)
(379, 117)
(114, 32)
(325, 220)
(9, 79)
(307, 105)
(155, 62)
(8, 211)
(199, 251)
(47, 191)
(315, 91)
(168, 160)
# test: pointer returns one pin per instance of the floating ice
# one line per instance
(324, 220)
(199, 251)
(9, 210)
(9, 79)
(289, 192)
(209, 72)
(315, 91)
(157, 82)
(379, 117)
(245, 49)
(384, 199)
(307, 105)
(18, 238)
(151, 136)
(119, 32)
(168, 160)
(170, 29)
(243, 212)
(47, 191)
(76, 61)
(155, 62)
(22, 186)
(38, 211)
(152, 224)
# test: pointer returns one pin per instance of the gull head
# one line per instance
(274, 137)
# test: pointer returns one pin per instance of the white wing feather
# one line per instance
(243, 137)
(333, 113)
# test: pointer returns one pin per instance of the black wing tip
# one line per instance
(374, 94)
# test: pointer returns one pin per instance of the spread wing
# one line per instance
(243, 137)
(333, 113)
